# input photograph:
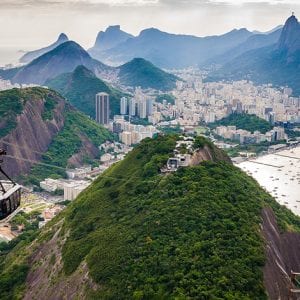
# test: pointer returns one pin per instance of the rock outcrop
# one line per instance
(31, 137)
(282, 256)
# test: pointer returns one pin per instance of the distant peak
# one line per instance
(63, 37)
(113, 28)
(138, 59)
(112, 36)
(292, 20)
(290, 35)
(240, 30)
(71, 46)
(150, 31)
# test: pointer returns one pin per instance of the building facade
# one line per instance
(102, 108)
(123, 106)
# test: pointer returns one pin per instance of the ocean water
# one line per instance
(279, 174)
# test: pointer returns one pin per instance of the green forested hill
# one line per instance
(244, 121)
(66, 143)
(80, 88)
(193, 234)
(140, 72)
(12, 104)
(38, 120)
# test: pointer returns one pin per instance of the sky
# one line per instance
(30, 24)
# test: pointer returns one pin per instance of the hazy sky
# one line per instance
(29, 24)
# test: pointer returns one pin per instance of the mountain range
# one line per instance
(207, 231)
(278, 63)
(271, 57)
(66, 57)
(171, 50)
(255, 41)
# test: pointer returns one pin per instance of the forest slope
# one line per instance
(136, 234)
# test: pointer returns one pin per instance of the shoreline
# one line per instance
(279, 174)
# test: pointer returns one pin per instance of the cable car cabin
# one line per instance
(10, 200)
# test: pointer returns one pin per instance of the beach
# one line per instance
(279, 174)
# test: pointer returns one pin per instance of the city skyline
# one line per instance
(81, 20)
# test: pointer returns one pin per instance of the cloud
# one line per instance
(264, 2)
(74, 4)
(38, 3)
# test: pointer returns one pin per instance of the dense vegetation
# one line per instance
(244, 121)
(66, 143)
(77, 128)
(193, 234)
(292, 133)
(80, 88)
(140, 72)
(170, 129)
(12, 279)
(12, 103)
(252, 148)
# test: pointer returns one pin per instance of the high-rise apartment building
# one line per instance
(149, 107)
(132, 107)
(102, 108)
(123, 106)
(142, 108)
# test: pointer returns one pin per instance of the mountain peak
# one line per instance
(70, 48)
(292, 20)
(150, 31)
(62, 37)
(112, 36)
(30, 56)
(290, 36)
(113, 28)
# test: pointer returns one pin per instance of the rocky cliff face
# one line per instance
(208, 154)
(38, 121)
(46, 281)
(110, 38)
(282, 256)
(31, 137)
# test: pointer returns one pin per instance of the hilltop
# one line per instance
(201, 232)
(244, 121)
(38, 124)
(80, 88)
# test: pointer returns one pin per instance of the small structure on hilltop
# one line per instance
(182, 155)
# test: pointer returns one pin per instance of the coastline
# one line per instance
(279, 174)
